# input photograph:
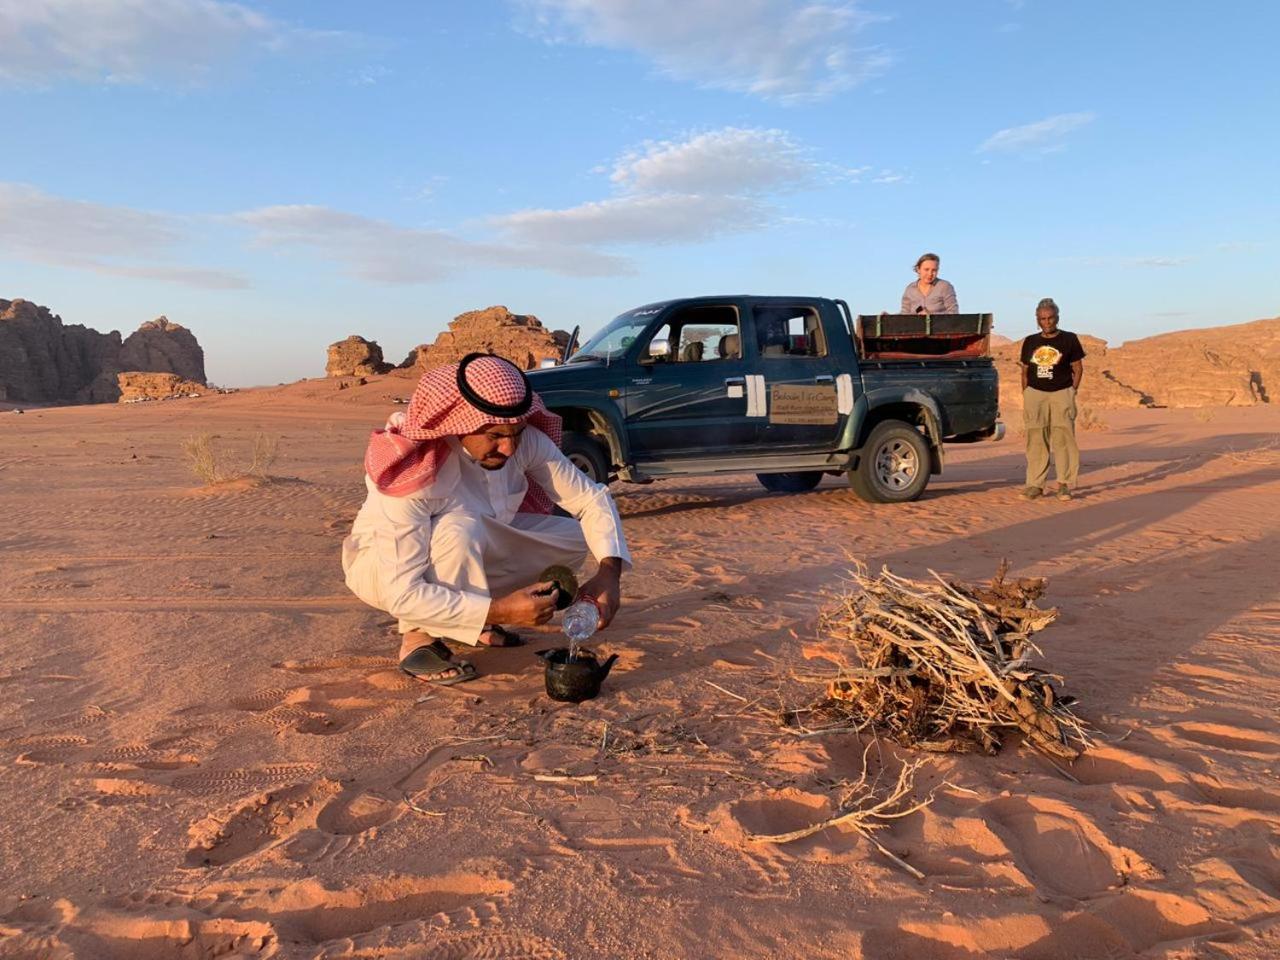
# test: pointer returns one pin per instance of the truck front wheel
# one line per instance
(587, 454)
(894, 466)
(790, 482)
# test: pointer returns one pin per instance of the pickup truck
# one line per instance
(787, 388)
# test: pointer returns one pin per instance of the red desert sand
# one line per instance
(208, 749)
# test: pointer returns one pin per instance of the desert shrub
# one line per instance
(1203, 415)
(210, 464)
(265, 449)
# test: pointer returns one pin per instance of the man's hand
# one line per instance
(529, 606)
(605, 588)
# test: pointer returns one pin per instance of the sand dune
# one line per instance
(208, 750)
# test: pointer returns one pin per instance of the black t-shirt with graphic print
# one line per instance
(1049, 360)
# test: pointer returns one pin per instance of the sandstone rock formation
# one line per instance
(160, 345)
(43, 360)
(355, 357)
(520, 338)
(135, 386)
(1237, 365)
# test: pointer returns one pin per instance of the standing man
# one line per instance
(456, 526)
(1052, 363)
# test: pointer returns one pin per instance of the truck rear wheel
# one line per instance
(587, 454)
(790, 482)
(894, 466)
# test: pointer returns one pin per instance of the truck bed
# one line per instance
(892, 336)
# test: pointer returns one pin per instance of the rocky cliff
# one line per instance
(43, 360)
(520, 338)
(355, 357)
(161, 346)
(135, 387)
(1236, 366)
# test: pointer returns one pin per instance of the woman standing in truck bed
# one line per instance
(929, 294)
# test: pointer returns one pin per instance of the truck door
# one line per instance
(801, 375)
(692, 401)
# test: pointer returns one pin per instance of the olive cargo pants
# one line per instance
(1049, 418)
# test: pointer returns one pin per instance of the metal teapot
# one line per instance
(572, 680)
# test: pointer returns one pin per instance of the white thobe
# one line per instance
(435, 558)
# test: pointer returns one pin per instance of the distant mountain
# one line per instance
(43, 360)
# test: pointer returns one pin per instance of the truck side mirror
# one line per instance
(659, 350)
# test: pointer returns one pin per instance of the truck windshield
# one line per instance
(614, 339)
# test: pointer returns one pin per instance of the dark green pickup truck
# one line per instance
(787, 388)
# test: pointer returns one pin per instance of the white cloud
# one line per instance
(1043, 136)
(1159, 261)
(38, 227)
(387, 253)
(126, 41)
(730, 160)
(785, 50)
(890, 176)
(664, 218)
(684, 191)
(1156, 261)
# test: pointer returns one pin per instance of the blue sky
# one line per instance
(278, 175)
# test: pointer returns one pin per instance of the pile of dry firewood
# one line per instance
(945, 666)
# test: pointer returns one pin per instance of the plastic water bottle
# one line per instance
(581, 620)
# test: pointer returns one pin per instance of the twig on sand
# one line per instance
(565, 778)
(417, 809)
(823, 731)
(1065, 773)
(868, 814)
(723, 690)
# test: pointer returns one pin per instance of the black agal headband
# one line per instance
(517, 409)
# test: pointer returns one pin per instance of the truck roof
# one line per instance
(753, 297)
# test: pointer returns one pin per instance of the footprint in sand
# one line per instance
(321, 664)
(330, 712)
(1226, 793)
(219, 781)
(145, 757)
(88, 717)
(1229, 737)
(321, 710)
(399, 916)
(342, 826)
(462, 945)
(353, 813)
(263, 700)
(46, 750)
(1108, 764)
(1057, 848)
(261, 822)
(783, 812)
(114, 792)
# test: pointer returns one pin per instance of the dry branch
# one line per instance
(865, 811)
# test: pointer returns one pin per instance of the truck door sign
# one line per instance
(803, 403)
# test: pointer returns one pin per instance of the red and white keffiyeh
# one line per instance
(452, 401)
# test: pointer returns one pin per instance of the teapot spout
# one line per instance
(605, 667)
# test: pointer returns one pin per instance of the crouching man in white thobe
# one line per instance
(456, 526)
